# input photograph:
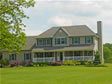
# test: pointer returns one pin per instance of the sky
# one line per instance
(50, 13)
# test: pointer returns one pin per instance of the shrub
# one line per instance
(4, 62)
(14, 64)
(82, 62)
(76, 62)
(86, 62)
(69, 62)
(56, 63)
(35, 64)
(97, 58)
(1, 62)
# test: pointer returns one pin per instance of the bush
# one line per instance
(86, 62)
(76, 62)
(56, 63)
(14, 64)
(69, 62)
(4, 62)
(97, 58)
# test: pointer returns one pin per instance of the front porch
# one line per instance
(63, 56)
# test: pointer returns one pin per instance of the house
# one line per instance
(61, 44)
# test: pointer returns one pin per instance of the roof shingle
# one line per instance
(79, 30)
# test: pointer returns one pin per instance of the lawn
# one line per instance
(57, 75)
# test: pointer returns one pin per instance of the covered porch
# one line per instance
(63, 56)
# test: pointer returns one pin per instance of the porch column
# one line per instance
(73, 54)
(54, 57)
(43, 56)
(83, 55)
(93, 55)
(33, 54)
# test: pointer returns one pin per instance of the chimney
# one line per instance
(100, 40)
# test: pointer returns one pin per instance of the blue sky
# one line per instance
(49, 13)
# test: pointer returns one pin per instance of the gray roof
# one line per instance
(67, 48)
(79, 30)
(31, 42)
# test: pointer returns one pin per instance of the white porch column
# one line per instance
(93, 54)
(83, 55)
(33, 56)
(73, 54)
(54, 57)
(43, 56)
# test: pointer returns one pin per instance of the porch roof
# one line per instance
(67, 48)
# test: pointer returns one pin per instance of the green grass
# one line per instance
(57, 75)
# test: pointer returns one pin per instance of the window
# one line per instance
(12, 57)
(59, 41)
(1, 56)
(27, 56)
(48, 54)
(38, 55)
(76, 53)
(76, 40)
(44, 42)
(89, 40)
(88, 53)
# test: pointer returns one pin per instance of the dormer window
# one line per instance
(88, 39)
(44, 42)
(60, 40)
(76, 40)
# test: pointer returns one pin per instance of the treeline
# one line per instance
(108, 53)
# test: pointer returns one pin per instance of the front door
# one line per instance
(61, 56)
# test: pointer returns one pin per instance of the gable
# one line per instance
(60, 33)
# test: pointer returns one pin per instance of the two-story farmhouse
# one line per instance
(61, 44)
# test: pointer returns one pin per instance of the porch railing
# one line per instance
(79, 58)
(44, 59)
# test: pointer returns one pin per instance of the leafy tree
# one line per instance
(12, 36)
(97, 58)
(108, 52)
(108, 45)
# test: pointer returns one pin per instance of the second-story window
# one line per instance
(44, 42)
(59, 41)
(89, 40)
(76, 40)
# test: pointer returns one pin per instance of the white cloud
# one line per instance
(32, 32)
(60, 21)
(71, 12)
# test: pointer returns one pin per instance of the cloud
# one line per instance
(60, 21)
(32, 32)
(48, 13)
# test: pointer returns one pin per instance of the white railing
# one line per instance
(79, 58)
(44, 59)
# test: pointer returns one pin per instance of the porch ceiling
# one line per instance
(70, 48)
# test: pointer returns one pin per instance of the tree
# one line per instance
(108, 52)
(97, 58)
(12, 36)
(108, 45)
